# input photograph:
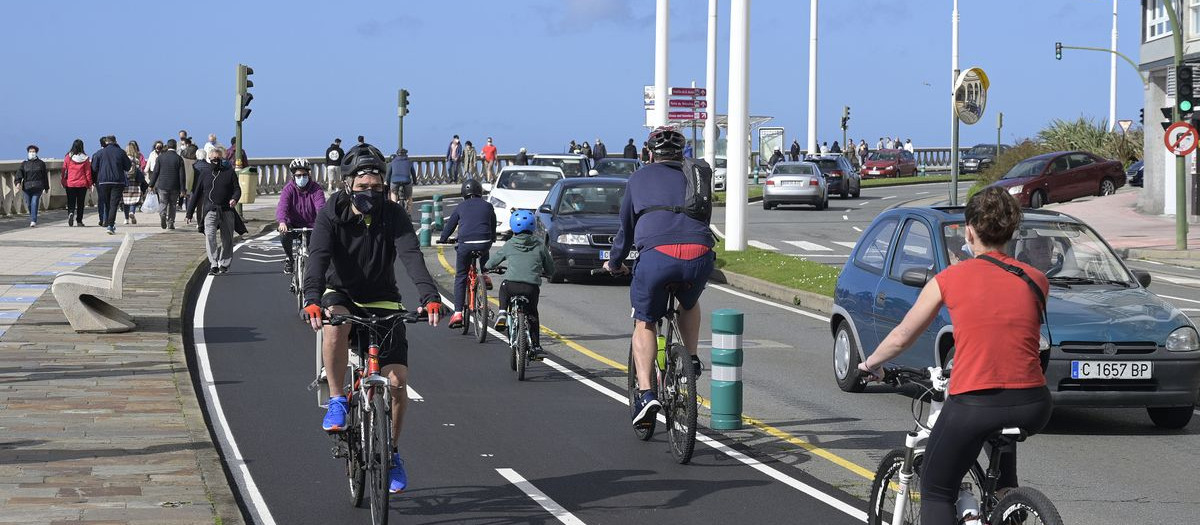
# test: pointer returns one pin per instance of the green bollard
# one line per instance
(437, 212)
(726, 381)
(425, 235)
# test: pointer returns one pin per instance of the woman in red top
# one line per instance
(76, 179)
(998, 380)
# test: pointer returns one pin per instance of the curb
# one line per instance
(1149, 253)
(770, 290)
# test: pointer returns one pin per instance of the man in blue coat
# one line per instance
(110, 165)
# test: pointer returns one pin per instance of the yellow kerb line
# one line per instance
(772, 431)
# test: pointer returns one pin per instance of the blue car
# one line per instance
(1114, 344)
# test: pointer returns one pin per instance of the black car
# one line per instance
(979, 158)
(841, 177)
(578, 221)
(615, 167)
(1134, 173)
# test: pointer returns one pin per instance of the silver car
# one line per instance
(795, 183)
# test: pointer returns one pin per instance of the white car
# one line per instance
(718, 179)
(572, 164)
(520, 188)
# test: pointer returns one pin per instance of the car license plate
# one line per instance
(1111, 369)
(791, 182)
(606, 255)
(872, 172)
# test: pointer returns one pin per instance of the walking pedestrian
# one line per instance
(645, 151)
(76, 179)
(879, 144)
(229, 153)
(687, 150)
(111, 165)
(586, 150)
(599, 151)
(400, 175)
(572, 147)
(155, 150)
(181, 143)
(211, 144)
(189, 161)
(101, 205)
(824, 148)
(471, 160)
(522, 158)
(168, 179)
(217, 192)
(299, 203)
(795, 151)
(135, 178)
(851, 152)
(489, 160)
(863, 151)
(454, 154)
(34, 179)
(333, 160)
(776, 158)
(908, 146)
(835, 148)
(631, 151)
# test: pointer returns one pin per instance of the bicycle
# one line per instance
(979, 501)
(299, 261)
(476, 312)
(519, 338)
(366, 444)
(674, 382)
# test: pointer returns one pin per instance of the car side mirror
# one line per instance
(593, 173)
(916, 277)
(1143, 277)
(545, 208)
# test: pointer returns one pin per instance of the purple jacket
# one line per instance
(299, 206)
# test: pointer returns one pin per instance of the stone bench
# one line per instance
(82, 296)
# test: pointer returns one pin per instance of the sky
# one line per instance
(533, 73)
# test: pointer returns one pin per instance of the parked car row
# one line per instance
(810, 182)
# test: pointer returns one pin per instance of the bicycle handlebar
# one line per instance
(499, 270)
(927, 377)
(299, 230)
(447, 241)
(403, 315)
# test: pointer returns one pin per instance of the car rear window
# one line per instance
(793, 169)
(828, 165)
(527, 180)
(603, 199)
(615, 167)
(569, 167)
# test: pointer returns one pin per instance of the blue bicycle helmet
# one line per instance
(521, 221)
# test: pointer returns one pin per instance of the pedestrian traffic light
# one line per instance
(1142, 117)
(1183, 90)
(242, 109)
(845, 117)
(403, 102)
(1058, 50)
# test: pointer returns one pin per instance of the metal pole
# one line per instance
(999, 127)
(400, 113)
(1112, 74)
(1181, 225)
(953, 113)
(812, 76)
(694, 144)
(660, 63)
(710, 96)
(738, 156)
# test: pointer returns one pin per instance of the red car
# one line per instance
(889, 163)
(1060, 177)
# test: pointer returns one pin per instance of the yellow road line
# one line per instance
(772, 431)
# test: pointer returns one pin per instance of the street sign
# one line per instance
(688, 92)
(1180, 139)
(648, 97)
(688, 103)
(687, 115)
(1125, 124)
(970, 95)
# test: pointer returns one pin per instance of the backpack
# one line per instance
(697, 198)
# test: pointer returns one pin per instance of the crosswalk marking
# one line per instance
(810, 246)
(762, 245)
(845, 244)
(1176, 279)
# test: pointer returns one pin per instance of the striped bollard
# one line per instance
(727, 326)
(424, 234)
(437, 211)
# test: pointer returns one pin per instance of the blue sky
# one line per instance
(533, 73)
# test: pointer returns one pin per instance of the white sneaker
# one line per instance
(33, 225)
(126, 220)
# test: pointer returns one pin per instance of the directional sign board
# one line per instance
(1180, 139)
(687, 115)
(688, 103)
(688, 92)
(970, 95)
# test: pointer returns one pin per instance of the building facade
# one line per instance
(1157, 61)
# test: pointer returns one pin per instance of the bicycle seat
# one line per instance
(1008, 435)
(677, 286)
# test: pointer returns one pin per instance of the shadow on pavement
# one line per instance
(17, 452)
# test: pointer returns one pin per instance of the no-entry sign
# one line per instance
(1180, 138)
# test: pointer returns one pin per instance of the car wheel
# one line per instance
(824, 202)
(1107, 187)
(846, 360)
(1037, 200)
(767, 205)
(858, 189)
(1170, 417)
(558, 277)
(845, 189)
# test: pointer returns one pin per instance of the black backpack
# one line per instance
(697, 199)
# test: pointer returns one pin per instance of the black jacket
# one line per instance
(168, 173)
(331, 161)
(33, 176)
(110, 165)
(522, 159)
(213, 191)
(599, 151)
(475, 220)
(631, 151)
(350, 256)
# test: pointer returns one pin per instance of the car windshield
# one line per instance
(982, 150)
(600, 199)
(1068, 253)
(527, 180)
(569, 167)
(882, 156)
(615, 167)
(793, 169)
(720, 163)
(1026, 168)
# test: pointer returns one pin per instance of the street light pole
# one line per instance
(738, 155)
(1112, 74)
(953, 112)
(812, 77)
(660, 62)
(710, 95)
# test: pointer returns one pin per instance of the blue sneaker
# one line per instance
(397, 475)
(647, 407)
(335, 415)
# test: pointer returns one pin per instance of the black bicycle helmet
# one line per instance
(363, 157)
(666, 143)
(470, 188)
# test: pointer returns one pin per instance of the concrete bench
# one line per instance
(82, 296)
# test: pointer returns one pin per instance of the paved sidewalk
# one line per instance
(1133, 233)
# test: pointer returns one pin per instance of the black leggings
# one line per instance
(288, 238)
(529, 291)
(962, 428)
(75, 199)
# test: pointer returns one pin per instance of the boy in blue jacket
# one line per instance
(476, 223)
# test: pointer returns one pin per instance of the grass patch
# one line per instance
(784, 270)
(904, 181)
(752, 192)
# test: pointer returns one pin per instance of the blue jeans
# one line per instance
(32, 200)
(452, 168)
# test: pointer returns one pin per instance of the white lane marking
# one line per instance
(922, 192)
(764, 301)
(864, 203)
(265, 261)
(888, 197)
(1189, 309)
(716, 230)
(1179, 299)
(845, 217)
(762, 245)
(846, 244)
(1177, 280)
(540, 497)
(810, 246)
(857, 229)
(1147, 261)
(233, 455)
(412, 394)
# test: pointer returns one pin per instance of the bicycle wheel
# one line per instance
(1024, 505)
(298, 279)
(680, 390)
(646, 433)
(356, 470)
(521, 345)
(884, 489)
(379, 458)
(480, 315)
(512, 346)
(465, 308)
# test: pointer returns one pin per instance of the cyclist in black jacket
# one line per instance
(475, 220)
(352, 255)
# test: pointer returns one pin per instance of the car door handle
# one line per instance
(879, 299)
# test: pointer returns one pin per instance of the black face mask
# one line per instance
(367, 201)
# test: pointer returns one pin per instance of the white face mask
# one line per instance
(32, 155)
(301, 181)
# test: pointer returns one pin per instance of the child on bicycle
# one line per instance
(475, 220)
(299, 203)
(528, 260)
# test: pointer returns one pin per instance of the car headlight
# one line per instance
(1183, 340)
(889, 167)
(572, 238)
(497, 203)
(1043, 343)
(1015, 190)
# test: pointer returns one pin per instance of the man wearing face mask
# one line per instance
(352, 268)
(217, 192)
(299, 203)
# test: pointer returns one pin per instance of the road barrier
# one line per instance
(437, 212)
(425, 235)
(727, 327)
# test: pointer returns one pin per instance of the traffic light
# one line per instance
(242, 109)
(1183, 90)
(845, 117)
(1058, 50)
(1142, 117)
(403, 102)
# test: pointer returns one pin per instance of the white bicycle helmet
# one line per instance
(299, 164)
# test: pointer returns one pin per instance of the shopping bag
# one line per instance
(150, 205)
